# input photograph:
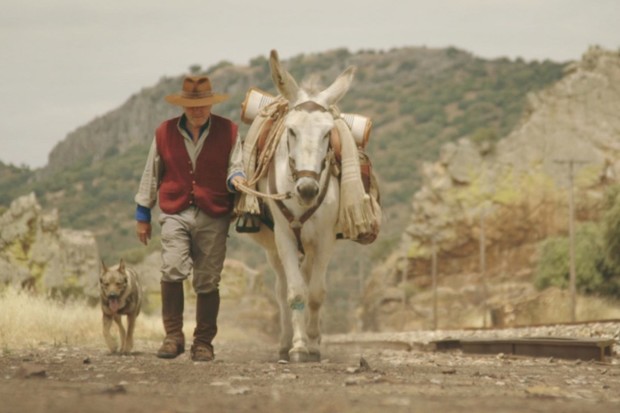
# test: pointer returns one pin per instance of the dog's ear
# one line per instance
(104, 269)
(121, 266)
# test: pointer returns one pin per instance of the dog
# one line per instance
(121, 294)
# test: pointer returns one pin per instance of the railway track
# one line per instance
(518, 340)
(558, 347)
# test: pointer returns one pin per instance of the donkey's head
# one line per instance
(308, 123)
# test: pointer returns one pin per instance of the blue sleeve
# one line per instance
(143, 214)
(229, 184)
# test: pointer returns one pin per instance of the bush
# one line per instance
(484, 137)
(592, 272)
(611, 232)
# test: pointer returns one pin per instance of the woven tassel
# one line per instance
(358, 213)
(248, 203)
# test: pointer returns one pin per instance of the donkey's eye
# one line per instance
(292, 133)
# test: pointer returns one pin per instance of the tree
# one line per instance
(611, 229)
(195, 69)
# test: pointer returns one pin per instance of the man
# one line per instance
(194, 166)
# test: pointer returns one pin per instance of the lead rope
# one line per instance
(277, 197)
(270, 134)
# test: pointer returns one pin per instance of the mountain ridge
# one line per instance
(417, 98)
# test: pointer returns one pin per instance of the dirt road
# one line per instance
(247, 377)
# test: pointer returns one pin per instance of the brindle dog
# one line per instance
(121, 294)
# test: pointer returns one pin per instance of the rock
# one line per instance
(511, 195)
(465, 163)
(29, 370)
(36, 253)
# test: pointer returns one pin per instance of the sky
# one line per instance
(65, 62)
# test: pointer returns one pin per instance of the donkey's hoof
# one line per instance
(299, 356)
(314, 356)
(283, 354)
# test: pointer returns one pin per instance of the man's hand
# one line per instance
(143, 231)
(239, 180)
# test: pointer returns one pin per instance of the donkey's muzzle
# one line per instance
(307, 188)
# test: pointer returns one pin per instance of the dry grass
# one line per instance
(29, 321)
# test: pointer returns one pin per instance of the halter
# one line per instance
(296, 223)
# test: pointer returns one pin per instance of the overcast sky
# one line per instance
(65, 62)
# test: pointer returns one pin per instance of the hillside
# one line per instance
(497, 215)
(418, 99)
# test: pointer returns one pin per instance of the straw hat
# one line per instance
(196, 92)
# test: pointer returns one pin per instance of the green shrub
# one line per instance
(592, 271)
(482, 136)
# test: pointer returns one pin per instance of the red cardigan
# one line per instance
(205, 186)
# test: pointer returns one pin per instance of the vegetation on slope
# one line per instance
(417, 98)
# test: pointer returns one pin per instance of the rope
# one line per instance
(277, 197)
(265, 131)
(271, 143)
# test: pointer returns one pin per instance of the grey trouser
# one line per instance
(192, 240)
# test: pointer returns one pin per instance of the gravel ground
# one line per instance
(369, 372)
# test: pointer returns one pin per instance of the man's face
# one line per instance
(197, 116)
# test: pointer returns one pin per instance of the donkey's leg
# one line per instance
(286, 327)
(265, 239)
(297, 293)
(316, 269)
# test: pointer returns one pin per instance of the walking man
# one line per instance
(193, 167)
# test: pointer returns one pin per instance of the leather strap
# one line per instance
(296, 224)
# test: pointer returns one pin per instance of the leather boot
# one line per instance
(207, 309)
(172, 304)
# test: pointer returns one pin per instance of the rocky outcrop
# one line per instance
(501, 201)
(135, 121)
(36, 253)
(116, 131)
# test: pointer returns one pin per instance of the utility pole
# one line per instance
(403, 278)
(571, 233)
(483, 267)
(434, 276)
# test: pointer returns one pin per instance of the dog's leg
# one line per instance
(121, 330)
(110, 341)
(131, 324)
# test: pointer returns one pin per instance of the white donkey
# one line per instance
(305, 226)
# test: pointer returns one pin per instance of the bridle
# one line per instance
(326, 169)
(296, 223)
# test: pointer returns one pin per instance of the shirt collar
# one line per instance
(183, 126)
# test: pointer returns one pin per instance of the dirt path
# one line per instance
(247, 377)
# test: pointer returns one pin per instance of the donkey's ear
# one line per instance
(282, 79)
(338, 89)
